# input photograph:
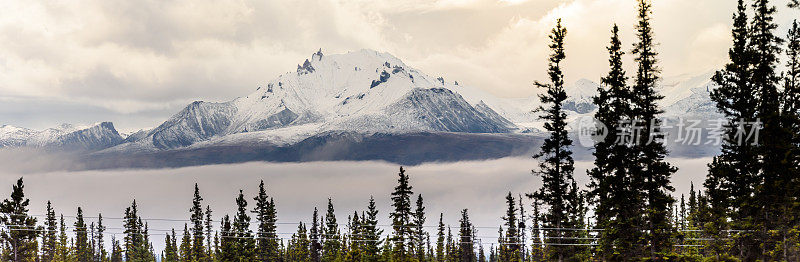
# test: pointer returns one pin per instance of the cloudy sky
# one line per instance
(137, 62)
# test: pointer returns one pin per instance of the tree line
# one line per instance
(747, 209)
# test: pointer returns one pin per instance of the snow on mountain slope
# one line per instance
(95, 137)
(437, 109)
(367, 92)
(12, 136)
(697, 106)
(197, 122)
(364, 91)
(580, 96)
(50, 135)
(63, 137)
(679, 87)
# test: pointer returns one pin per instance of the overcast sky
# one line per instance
(137, 62)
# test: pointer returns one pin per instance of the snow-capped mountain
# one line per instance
(363, 92)
(64, 137)
(361, 105)
(12, 136)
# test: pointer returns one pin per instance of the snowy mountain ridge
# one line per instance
(358, 97)
(65, 137)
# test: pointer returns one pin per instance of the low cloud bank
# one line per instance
(296, 187)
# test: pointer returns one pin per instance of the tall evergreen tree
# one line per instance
(298, 249)
(82, 247)
(556, 164)
(244, 242)
(734, 173)
(510, 251)
(137, 245)
(198, 251)
(451, 249)
(63, 248)
(354, 250)
(265, 214)
(21, 232)
(371, 232)
(185, 249)
(521, 228)
(49, 239)
(100, 252)
(791, 113)
(466, 242)
(440, 240)
(332, 247)
(209, 230)
(227, 241)
(116, 250)
(611, 188)
(315, 247)
(401, 216)
(419, 234)
(650, 171)
(537, 247)
(771, 197)
(170, 248)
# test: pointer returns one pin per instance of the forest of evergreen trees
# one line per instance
(748, 208)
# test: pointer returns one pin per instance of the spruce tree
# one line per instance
(511, 250)
(227, 241)
(440, 240)
(791, 82)
(419, 234)
(332, 247)
(791, 116)
(197, 249)
(315, 248)
(244, 242)
(63, 249)
(521, 228)
(451, 249)
(734, 173)
(100, 253)
(209, 230)
(116, 250)
(466, 235)
(49, 239)
(771, 196)
(556, 164)
(185, 249)
(170, 251)
(82, 248)
(298, 249)
(21, 233)
(401, 216)
(371, 232)
(265, 214)
(650, 171)
(354, 239)
(537, 247)
(92, 244)
(611, 188)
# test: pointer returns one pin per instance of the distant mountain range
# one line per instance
(362, 105)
